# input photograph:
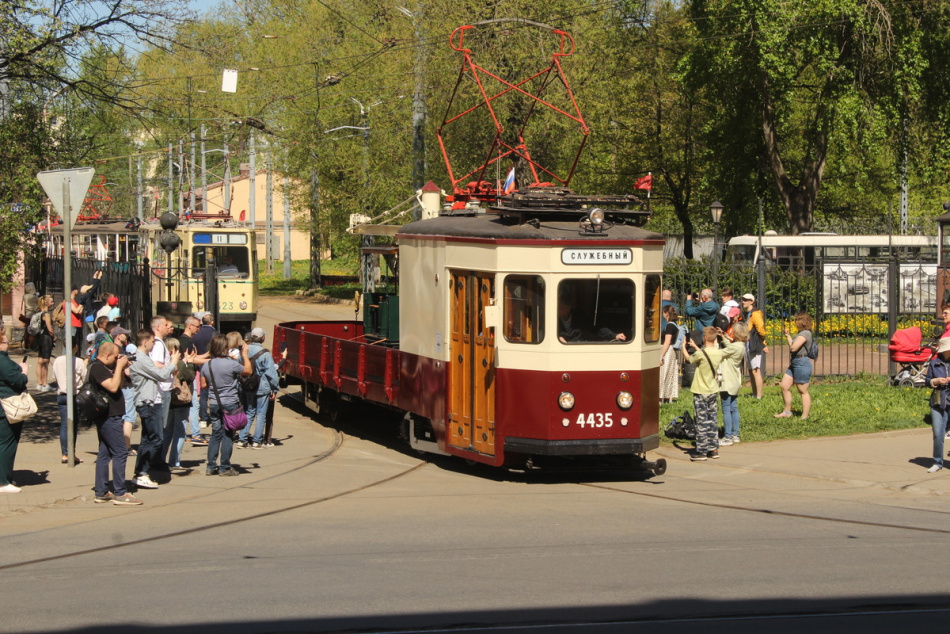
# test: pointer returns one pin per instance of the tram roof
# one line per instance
(492, 227)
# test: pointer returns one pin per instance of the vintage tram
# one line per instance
(176, 278)
(508, 343)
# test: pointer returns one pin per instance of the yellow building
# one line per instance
(240, 208)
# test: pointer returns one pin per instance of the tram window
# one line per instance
(595, 310)
(651, 309)
(231, 261)
(524, 309)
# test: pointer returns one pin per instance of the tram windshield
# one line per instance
(595, 310)
(231, 261)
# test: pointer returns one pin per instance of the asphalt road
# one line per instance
(347, 532)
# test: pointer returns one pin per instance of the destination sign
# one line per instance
(596, 256)
(220, 238)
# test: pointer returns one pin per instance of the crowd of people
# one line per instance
(727, 338)
(167, 387)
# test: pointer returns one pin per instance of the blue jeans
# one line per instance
(256, 409)
(193, 412)
(128, 394)
(63, 429)
(167, 431)
(178, 423)
(150, 447)
(730, 414)
(938, 419)
(221, 439)
(111, 448)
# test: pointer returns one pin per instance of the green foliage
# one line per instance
(853, 405)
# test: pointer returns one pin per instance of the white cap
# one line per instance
(257, 333)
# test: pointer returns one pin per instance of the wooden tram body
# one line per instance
(478, 366)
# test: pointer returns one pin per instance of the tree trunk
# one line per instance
(315, 250)
(799, 199)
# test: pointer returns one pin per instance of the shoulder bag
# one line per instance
(233, 421)
(19, 407)
(717, 370)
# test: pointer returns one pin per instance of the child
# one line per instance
(705, 389)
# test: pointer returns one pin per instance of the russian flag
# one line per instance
(510, 182)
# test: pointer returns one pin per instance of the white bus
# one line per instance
(804, 251)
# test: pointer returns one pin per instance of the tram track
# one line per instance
(337, 445)
(767, 511)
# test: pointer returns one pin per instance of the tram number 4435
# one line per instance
(595, 420)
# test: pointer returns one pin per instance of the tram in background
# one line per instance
(525, 326)
(805, 251)
(176, 279)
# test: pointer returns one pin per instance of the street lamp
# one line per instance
(716, 210)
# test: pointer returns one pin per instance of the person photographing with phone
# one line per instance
(705, 389)
(219, 376)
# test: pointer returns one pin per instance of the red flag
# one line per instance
(644, 183)
(243, 215)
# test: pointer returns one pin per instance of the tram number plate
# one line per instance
(595, 420)
(227, 306)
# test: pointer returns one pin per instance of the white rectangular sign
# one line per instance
(596, 256)
(229, 80)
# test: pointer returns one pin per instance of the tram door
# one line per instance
(472, 415)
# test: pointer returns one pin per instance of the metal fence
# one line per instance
(856, 306)
(129, 282)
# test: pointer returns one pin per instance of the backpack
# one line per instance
(91, 403)
(678, 344)
(36, 324)
(181, 392)
(722, 322)
(251, 382)
(812, 352)
(59, 315)
(682, 427)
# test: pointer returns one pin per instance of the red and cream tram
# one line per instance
(485, 359)
(527, 320)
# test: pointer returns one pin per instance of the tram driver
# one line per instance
(573, 328)
(228, 268)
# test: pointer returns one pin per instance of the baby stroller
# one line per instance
(906, 349)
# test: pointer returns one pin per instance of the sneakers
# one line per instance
(108, 497)
(9, 488)
(198, 441)
(714, 454)
(44, 388)
(734, 439)
(256, 445)
(145, 482)
(725, 441)
(268, 444)
(211, 471)
(227, 471)
(126, 500)
(935, 468)
(697, 457)
(240, 444)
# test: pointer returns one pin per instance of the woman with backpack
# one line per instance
(799, 366)
(179, 410)
(44, 342)
(669, 362)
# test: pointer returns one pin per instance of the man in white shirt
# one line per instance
(60, 375)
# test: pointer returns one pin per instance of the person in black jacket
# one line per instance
(13, 381)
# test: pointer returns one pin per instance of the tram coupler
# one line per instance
(658, 467)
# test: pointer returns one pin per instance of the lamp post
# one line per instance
(716, 210)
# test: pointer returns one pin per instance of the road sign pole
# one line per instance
(68, 313)
(62, 187)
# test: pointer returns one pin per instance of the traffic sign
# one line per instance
(63, 185)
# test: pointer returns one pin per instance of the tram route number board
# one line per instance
(596, 256)
(220, 238)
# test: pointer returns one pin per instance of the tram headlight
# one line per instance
(596, 216)
(200, 305)
(566, 401)
(243, 305)
(625, 400)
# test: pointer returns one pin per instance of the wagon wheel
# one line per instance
(906, 382)
(331, 405)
